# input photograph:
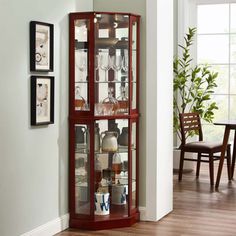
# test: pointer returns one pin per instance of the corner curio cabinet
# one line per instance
(103, 119)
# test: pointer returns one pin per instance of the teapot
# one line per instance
(123, 138)
(109, 141)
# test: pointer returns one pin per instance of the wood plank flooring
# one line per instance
(198, 210)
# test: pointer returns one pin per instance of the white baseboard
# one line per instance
(61, 223)
(50, 228)
(142, 211)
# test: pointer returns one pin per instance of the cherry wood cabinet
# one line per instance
(103, 119)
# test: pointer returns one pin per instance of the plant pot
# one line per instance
(188, 165)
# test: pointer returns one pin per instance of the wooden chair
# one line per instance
(192, 122)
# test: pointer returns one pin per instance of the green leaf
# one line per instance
(193, 85)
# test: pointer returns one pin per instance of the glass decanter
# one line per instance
(80, 102)
(123, 101)
(98, 173)
(111, 105)
(116, 165)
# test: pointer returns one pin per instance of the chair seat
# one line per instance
(203, 146)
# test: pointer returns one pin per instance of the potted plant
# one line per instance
(193, 87)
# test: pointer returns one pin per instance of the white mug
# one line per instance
(102, 203)
(119, 193)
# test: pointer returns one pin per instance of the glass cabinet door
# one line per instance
(82, 163)
(111, 64)
(81, 65)
(134, 64)
(111, 167)
(134, 164)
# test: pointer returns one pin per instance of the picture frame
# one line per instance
(41, 46)
(42, 100)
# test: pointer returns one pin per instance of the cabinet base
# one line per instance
(106, 224)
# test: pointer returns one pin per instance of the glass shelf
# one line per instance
(120, 150)
(81, 82)
(108, 82)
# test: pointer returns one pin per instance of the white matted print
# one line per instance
(41, 46)
(42, 100)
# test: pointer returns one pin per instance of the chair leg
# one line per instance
(198, 164)
(229, 163)
(211, 168)
(181, 164)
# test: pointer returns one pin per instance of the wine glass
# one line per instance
(104, 62)
(97, 66)
(125, 63)
(116, 64)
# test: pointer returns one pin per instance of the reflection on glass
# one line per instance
(213, 49)
(111, 63)
(125, 61)
(111, 168)
(133, 138)
(134, 66)
(81, 64)
(82, 196)
(214, 23)
(133, 141)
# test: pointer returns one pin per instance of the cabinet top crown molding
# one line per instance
(100, 12)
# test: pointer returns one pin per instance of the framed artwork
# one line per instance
(42, 100)
(41, 46)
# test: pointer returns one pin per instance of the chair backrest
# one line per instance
(190, 122)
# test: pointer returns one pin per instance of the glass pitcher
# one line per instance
(79, 100)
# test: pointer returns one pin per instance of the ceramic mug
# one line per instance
(119, 192)
(102, 203)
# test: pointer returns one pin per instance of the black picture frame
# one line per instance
(42, 100)
(41, 46)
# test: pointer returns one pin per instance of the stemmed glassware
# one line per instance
(116, 64)
(125, 62)
(104, 63)
(97, 66)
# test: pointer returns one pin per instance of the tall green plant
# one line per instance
(193, 85)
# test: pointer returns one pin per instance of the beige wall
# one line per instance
(139, 8)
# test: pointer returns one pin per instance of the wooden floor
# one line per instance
(198, 210)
